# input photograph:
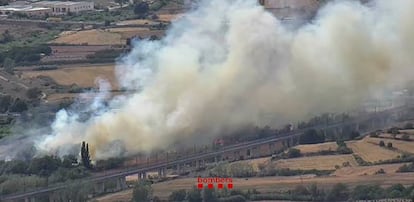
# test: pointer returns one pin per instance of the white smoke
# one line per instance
(230, 63)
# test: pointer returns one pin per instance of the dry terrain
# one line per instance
(113, 36)
(314, 148)
(405, 146)
(90, 37)
(367, 170)
(316, 162)
(83, 76)
(270, 184)
(371, 152)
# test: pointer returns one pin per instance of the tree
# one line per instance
(339, 192)
(311, 137)
(141, 9)
(142, 192)
(8, 65)
(194, 195)
(209, 195)
(18, 106)
(85, 156)
(69, 160)
(33, 93)
(389, 144)
(293, 153)
(178, 195)
(381, 144)
(44, 166)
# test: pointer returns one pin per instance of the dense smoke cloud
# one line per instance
(231, 63)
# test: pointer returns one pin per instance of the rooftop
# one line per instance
(22, 8)
(59, 3)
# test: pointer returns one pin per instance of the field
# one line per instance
(367, 170)
(316, 162)
(405, 146)
(90, 37)
(314, 148)
(270, 184)
(83, 76)
(113, 36)
(371, 152)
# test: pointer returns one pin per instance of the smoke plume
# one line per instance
(229, 63)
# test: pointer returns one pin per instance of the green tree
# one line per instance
(18, 106)
(33, 93)
(178, 195)
(339, 192)
(293, 153)
(69, 160)
(209, 195)
(44, 166)
(85, 156)
(381, 144)
(142, 192)
(311, 137)
(141, 9)
(194, 195)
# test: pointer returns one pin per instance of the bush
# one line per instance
(178, 195)
(380, 171)
(381, 144)
(235, 198)
(33, 93)
(406, 168)
(194, 195)
(339, 192)
(311, 137)
(142, 192)
(293, 153)
(368, 192)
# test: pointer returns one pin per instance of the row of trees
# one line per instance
(338, 192)
(24, 54)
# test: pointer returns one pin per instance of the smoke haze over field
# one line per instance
(230, 63)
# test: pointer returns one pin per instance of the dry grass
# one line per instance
(113, 36)
(316, 162)
(91, 37)
(371, 152)
(169, 17)
(366, 170)
(82, 76)
(269, 184)
(405, 146)
(313, 148)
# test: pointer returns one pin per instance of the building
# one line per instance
(65, 7)
(25, 9)
(291, 9)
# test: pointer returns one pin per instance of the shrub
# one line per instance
(406, 168)
(380, 171)
(235, 198)
(142, 192)
(293, 153)
(381, 144)
(178, 195)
